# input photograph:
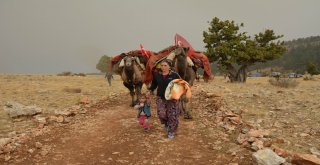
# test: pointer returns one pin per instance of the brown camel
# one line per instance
(131, 68)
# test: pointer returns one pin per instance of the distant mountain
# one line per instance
(300, 52)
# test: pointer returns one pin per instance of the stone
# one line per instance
(15, 109)
(31, 150)
(40, 119)
(257, 133)
(4, 141)
(38, 145)
(212, 95)
(267, 157)
(305, 159)
(64, 112)
(303, 134)
(315, 151)
(281, 152)
(257, 145)
(115, 153)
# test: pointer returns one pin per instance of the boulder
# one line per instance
(267, 157)
(15, 109)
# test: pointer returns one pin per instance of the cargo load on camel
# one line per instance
(198, 60)
(142, 56)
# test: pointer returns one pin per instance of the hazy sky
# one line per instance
(52, 36)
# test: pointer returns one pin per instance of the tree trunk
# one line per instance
(231, 73)
(242, 74)
(239, 75)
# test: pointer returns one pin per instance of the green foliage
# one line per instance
(312, 69)
(223, 41)
(235, 51)
(104, 63)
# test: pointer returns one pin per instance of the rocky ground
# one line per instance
(232, 124)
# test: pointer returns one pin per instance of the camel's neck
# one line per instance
(129, 71)
(182, 66)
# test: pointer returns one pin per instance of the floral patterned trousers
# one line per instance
(168, 113)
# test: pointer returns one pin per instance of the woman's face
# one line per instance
(142, 99)
(165, 66)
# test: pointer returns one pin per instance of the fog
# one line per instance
(52, 36)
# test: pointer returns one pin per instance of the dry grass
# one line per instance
(285, 112)
(284, 82)
(72, 90)
(50, 93)
(54, 92)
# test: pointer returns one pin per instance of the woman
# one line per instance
(168, 110)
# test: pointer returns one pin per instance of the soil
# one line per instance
(109, 132)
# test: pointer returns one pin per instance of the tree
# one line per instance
(104, 63)
(236, 51)
(312, 69)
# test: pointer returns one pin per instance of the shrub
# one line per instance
(307, 77)
(65, 74)
(283, 82)
(80, 74)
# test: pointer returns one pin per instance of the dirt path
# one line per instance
(110, 134)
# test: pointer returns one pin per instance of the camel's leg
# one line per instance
(185, 107)
(131, 89)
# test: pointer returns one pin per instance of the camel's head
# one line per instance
(129, 60)
(181, 51)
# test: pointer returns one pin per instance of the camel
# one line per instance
(131, 68)
(183, 66)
